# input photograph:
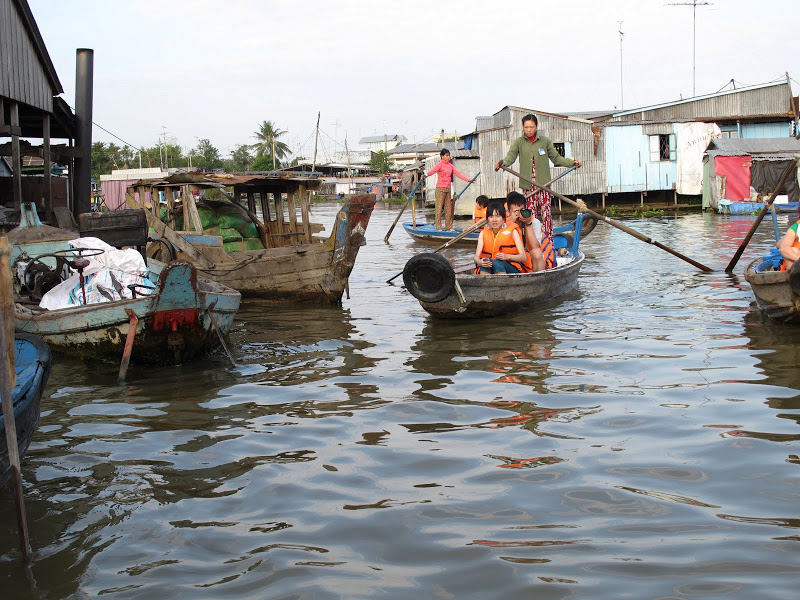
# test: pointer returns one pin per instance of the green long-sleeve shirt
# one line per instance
(544, 151)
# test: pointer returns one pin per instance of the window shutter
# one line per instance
(655, 150)
(673, 147)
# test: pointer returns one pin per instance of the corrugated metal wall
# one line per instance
(766, 130)
(763, 101)
(493, 145)
(21, 75)
(628, 164)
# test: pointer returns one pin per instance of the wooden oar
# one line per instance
(760, 216)
(410, 198)
(612, 222)
(464, 233)
(7, 380)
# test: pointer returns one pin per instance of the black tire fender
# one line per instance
(794, 277)
(588, 224)
(429, 277)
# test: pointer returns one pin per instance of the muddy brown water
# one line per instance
(638, 438)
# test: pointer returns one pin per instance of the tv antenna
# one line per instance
(621, 95)
(694, 4)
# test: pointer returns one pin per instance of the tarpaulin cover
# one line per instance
(766, 175)
(736, 169)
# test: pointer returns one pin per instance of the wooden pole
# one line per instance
(7, 377)
(612, 222)
(757, 222)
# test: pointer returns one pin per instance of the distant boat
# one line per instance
(177, 314)
(277, 259)
(777, 292)
(32, 369)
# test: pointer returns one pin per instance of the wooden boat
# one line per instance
(432, 280)
(176, 315)
(280, 258)
(777, 292)
(32, 370)
(426, 233)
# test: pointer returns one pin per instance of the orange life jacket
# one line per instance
(503, 241)
(479, 213)
(527, 266)
(549, 252)
(795, 245)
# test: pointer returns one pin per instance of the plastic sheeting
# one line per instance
(693, 139)
(105, 279)
(736, 170)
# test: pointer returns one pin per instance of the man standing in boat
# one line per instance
(535, 153)
(444, 200)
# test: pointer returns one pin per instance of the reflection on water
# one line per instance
(637, 438)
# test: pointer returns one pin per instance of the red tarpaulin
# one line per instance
(736, 169)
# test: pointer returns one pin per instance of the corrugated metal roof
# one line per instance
(394, 137)
(698, 98)
(741, 147)
(426, 147)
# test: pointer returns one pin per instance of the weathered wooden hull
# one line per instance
(178, 321)
(495, 295)
(774, 293)
(32, 370)
(315, 272)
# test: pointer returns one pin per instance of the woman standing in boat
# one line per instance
(444, 200)
(535, 153)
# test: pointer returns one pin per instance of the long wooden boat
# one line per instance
(176, 315)
(280, 258)
(426, 233)
(777, 292)
(432, 280)
(32, 367)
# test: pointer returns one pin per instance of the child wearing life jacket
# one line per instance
(789, 246)
(524, 220)
(500, 248)
(479, 212)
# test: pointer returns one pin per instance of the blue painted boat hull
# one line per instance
(33, 362)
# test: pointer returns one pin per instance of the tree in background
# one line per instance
(381, 162)
(269, 145)
(241, 159)
(107, 157)
(206, 156)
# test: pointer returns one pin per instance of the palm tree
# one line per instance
(267, 136)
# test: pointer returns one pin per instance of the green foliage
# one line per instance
(611, 211)
(265, 163)
(268, 143)
(106, 157)
(381, 162)
(646, 211)
(241, 159)
(205, 155)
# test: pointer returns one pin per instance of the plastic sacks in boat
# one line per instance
(106, 279)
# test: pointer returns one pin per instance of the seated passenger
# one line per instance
(481, 202)
(500, 248)
(789, 246)
(523, 219)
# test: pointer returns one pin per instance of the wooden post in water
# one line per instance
(7, 381)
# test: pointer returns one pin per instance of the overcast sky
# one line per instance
(216, 70)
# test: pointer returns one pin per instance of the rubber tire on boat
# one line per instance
(588, 224)
(429, 277)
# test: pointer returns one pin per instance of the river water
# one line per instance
(638, 438)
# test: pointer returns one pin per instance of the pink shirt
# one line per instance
(446, 171)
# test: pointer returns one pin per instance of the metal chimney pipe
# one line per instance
(84, 83)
